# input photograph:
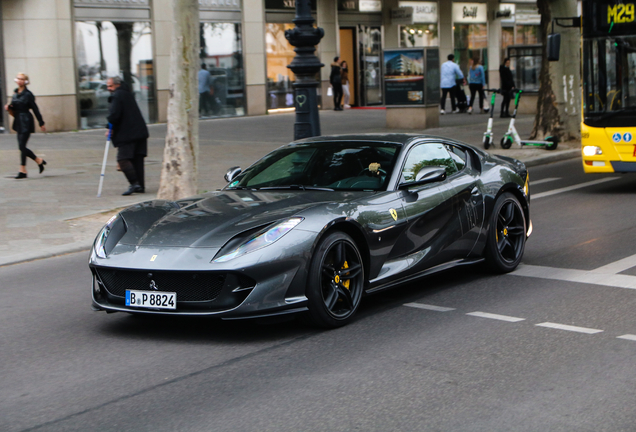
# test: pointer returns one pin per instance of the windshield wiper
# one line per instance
(611, 114)
(240, 188)
(297, 187)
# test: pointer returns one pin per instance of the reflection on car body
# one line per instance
(313, 226)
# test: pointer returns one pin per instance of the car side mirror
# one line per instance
(553, 46)
(427, 174)
(232, 173)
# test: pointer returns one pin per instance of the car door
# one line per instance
(428, 210)
(466, 194)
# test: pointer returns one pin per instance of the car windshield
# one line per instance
(327, 165)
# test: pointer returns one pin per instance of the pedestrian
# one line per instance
(21, 104)
(344, 71)
(507, 86)
(450, 72)
(335, 78)
(476, 83)
(130, 134)
(205, 95)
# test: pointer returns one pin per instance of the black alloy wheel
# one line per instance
(336, 281)
(507, 234)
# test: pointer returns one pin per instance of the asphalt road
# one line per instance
(550, 347)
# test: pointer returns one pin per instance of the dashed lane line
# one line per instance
(495, 316)
(429, 307)
(630, 337)
(571, 188)
(581, 276)
(569, 328)
(545, 180)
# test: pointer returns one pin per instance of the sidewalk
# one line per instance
(58, 212)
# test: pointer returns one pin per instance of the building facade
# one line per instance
(70, 47)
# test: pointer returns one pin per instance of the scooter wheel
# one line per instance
(554, 141)
(506, 143)
(486, 143)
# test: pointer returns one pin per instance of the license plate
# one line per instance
(151, 299)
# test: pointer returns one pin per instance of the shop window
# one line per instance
(528, 35)
(418, 35)
(222, 89)
(105, 49)
(525, 64)
(471, 42)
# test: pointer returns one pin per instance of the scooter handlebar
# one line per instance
(492, 90)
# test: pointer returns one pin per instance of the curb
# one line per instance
(553, 157)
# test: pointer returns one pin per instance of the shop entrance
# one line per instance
(361, 48)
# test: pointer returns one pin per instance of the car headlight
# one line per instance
(108, 237)
(261, 239)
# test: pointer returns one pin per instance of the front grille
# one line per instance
(189, 286)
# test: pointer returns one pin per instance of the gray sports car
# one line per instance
(312, 227)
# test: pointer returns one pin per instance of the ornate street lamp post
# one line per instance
(305, 65)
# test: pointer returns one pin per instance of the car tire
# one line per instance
(506, 238)
(336, 281)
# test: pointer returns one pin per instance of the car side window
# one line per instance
(459, 156)
(432, 154)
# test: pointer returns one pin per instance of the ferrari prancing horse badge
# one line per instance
(393, 213)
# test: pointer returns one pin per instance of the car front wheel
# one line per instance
(506, 239)
(336, 281)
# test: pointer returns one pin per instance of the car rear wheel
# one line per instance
(336, 281)
(506, 239)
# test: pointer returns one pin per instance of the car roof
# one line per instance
(396, 138)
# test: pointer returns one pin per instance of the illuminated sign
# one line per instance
(609, 17)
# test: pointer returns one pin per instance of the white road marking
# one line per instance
(545, 180)
(617, 266)
(580, 276)
(630, 337)
(569, 328)
(428, 307)
(573, 187)
(495, 316)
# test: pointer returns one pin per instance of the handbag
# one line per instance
(330, 91)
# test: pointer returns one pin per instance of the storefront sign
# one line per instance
(360, 5)
(404, 77)
(506, 13)
(111, 3)
(473, 13)
(402, 15)
(280, 4)
(423, 12)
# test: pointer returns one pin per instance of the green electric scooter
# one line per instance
(488, 140)
(511, 136)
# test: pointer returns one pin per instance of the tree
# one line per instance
(179, 169)
(559, 82)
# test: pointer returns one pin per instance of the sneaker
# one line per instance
(456, 111)
(442, 112)
(486, 110)
(470, 110)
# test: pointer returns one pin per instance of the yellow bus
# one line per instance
(608, 127)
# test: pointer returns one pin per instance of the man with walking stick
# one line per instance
(129, 134)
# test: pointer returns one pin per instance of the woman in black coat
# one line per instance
(335, 78)
(507, 86)
(21, 104)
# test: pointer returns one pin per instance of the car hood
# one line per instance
(211, 220)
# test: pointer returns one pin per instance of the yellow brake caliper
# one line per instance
(345, 283)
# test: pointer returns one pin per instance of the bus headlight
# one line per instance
(592, 151)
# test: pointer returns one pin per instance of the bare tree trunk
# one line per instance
(124, 47)
(559, 104)
(179, 171)
(546, 121)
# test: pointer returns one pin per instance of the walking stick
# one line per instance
(101, 178)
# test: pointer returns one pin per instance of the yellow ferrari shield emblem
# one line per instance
(154, 257)
(393, 213)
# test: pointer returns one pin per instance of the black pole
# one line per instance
(305, 65)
